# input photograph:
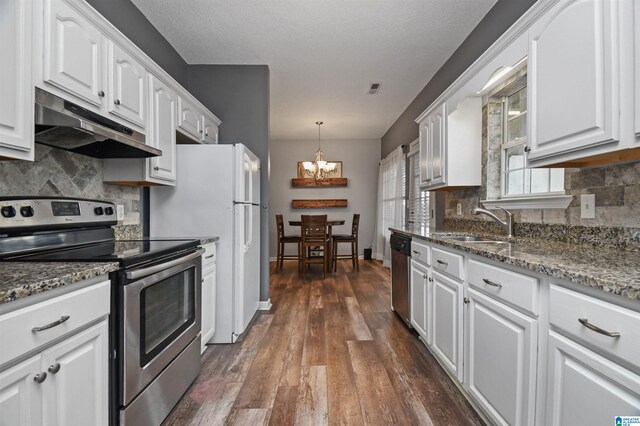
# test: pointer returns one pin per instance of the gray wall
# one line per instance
(126, 17)
(239, 96)
(360, 158)
(501, 16)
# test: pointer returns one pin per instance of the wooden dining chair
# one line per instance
(286, 239)
(347, 238)
(314, 237)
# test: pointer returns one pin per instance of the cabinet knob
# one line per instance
(54, 368)
(101, 94)
(527, 148)
(430, 279)
(424, 276)
(466, 300)
(206, 133)
(156, 168)
(200, 131)
(40, 377)
(116, 101)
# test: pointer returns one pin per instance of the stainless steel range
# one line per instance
(155, 316)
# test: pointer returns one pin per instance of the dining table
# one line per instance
(330, 224)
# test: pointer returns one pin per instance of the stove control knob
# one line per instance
(26, 211)
(98, 211)
(108, 211)
(8, 211)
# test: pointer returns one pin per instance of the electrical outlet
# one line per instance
(588, 206)
(459, 209)
(120, 212)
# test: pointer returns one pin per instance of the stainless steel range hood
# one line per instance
(62, 124)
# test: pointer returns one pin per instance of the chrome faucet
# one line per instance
(507, 224)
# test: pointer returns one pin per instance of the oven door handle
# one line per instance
(134, 275)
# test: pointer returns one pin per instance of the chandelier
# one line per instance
(319, 169)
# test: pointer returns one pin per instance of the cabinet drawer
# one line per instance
(81, 306)
(209, 256)
(449, 263)
(421, 252)
(519, 290)
(567, 307)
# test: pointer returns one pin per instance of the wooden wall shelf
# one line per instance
(296, 182)
(317, 204)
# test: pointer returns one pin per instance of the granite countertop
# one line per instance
(203, 240)
(611, 270)
(23, 279)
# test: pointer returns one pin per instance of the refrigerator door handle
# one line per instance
(249, 203)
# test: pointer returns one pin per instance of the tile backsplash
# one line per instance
(60, 173)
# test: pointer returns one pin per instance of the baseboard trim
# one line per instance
(264, 305)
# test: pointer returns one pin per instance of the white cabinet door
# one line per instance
(72, 52)
(636, 26)
(189, 119)
(20, 395)
(16, 87)
(573, 78)
(586, 389)
(76, 388)
(437, 148)
(425, 141)
(447, 323)
(419, 298)
(162, 130)
(208, 304)
(127, 88)
(500, 360)
(210, 135)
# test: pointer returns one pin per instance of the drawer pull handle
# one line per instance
(210, 256)
(586, 323)
(491, 283)
(53, 324)
(442, 262)
(54, 368)
(40, 377)
(417, 252)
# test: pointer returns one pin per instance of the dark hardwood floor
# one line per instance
(330, 351)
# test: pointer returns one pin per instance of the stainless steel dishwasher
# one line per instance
(400, 259)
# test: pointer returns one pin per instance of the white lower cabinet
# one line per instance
(58, 375)
(446, 342)
(586, 389)
(75, 391)
(208, 319)
(419, 298)
(20, 397)
(500, 360)
(66, 384)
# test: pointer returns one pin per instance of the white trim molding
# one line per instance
(264, 305)
(530, 202)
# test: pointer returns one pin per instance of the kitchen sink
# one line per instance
(470, 239)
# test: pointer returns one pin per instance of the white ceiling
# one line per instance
(323, 54)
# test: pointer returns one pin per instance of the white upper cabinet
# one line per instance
(162, 130)
(73, 57)
(450, 145)
(16, 87)
(210, 125)
(574, 81)
(127, 88)
(189, 119)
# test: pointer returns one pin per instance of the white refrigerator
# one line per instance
(217, 193)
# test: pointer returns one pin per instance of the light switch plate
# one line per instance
(459, 209)
(120, 212)
(588, 206)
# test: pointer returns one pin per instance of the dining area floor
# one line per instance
(330, 351)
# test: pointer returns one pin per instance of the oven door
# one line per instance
(161, 316)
